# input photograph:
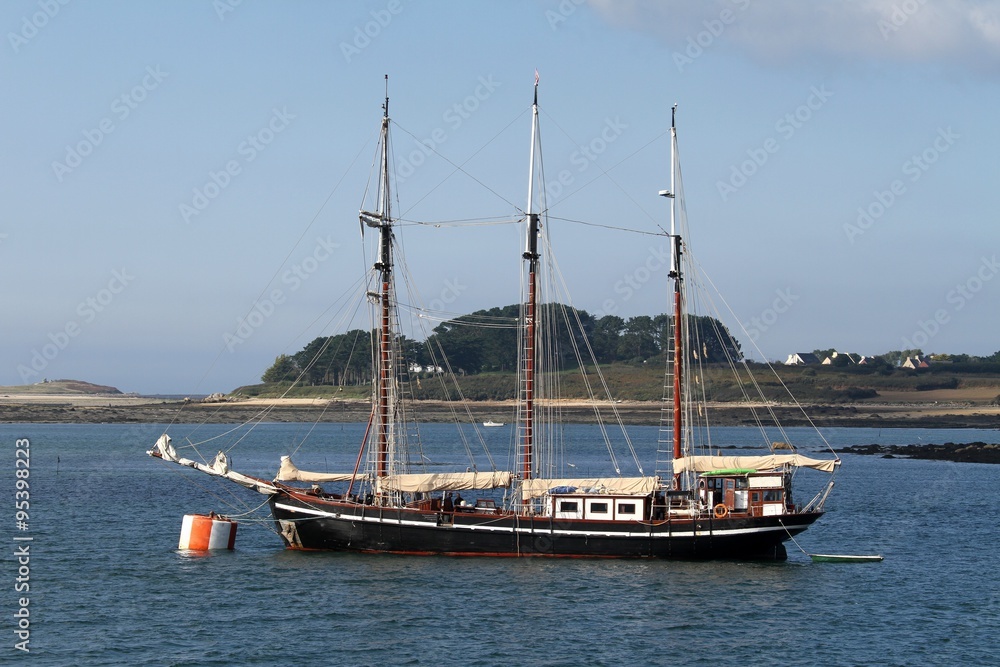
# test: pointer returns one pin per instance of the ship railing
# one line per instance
(816, 504)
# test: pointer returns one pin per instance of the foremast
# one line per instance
(385, 386)
(530, 333)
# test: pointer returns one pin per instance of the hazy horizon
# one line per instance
(169, 168)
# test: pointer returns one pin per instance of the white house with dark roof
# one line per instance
(850, 358)
(916, 362)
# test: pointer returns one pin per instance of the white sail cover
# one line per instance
(444, 481)
(288, 472)
(640, 486)
(219, 466)
(771, 462)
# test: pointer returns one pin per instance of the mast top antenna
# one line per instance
(385, 107)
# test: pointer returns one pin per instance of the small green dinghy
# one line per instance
(843, 558)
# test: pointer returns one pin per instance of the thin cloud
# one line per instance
(952, 33)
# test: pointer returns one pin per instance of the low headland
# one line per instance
(951, 402)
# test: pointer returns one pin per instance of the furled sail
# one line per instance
(288, 472)
(444, 481)
(532, 488)
(772, 462)
(219, 466)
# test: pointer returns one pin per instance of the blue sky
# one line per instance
(168, 164)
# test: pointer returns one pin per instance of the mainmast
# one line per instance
(382, 220)
(530, 331)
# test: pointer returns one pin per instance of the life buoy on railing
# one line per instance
(721, 511)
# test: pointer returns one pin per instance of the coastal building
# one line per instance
(417, 368)
(916, 362)
(801, 359)
(850, 358)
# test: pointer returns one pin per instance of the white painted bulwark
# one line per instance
(569, 508)
(628, 509)
(765, 482)
(598, 508)
(772, 509)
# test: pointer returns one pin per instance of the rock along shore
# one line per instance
(973, 452)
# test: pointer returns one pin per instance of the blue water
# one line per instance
(108, 586)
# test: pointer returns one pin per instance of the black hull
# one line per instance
(317, 524)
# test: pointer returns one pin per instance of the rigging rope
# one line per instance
(459, 167)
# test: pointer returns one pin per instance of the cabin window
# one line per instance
(599, 508)
(566, 506)
(742, 483)
(626, 508)
(755, 497)
(772, 496)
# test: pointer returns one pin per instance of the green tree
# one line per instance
(343, 359)
(638, 339)
(607, 332)
(897, 357)
(284, 369)
(714, 339)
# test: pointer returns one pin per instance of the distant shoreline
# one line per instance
(114, 409)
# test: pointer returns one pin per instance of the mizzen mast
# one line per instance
(677, 277)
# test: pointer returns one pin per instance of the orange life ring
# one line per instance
(721, 511)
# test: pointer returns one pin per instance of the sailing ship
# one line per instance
(701, 506)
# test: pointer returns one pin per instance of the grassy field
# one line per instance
(644, 382)
(68, 387)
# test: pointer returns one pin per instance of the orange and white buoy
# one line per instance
(202, 533)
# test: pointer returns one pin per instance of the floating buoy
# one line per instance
(202, 533)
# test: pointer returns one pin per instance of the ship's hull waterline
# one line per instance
(318, 524)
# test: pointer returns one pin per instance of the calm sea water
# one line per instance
(108, 587)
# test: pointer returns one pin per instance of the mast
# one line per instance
(530, 331)
(676, 275)
(382, 220)
(676, 271)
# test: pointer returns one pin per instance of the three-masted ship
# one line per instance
(703, 507)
